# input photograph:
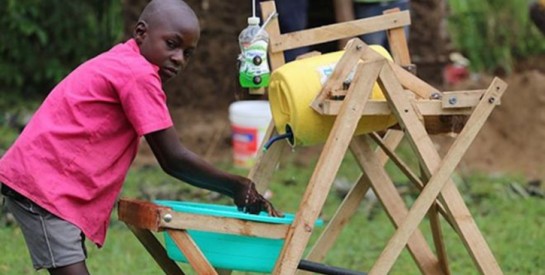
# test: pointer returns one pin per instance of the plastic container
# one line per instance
(249, 121)
(294, 86)
(228, 251)
(254, 69)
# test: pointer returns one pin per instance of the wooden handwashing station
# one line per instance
(418, 110)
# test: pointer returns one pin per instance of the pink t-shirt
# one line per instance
(73, 156)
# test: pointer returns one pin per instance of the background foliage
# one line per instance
(493, 33)
(42, 41)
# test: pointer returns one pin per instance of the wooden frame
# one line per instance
(409, 99)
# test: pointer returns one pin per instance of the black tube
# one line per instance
(326, 269)
(276, 138)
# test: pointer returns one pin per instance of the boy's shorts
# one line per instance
(51, 241)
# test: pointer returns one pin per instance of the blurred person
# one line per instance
(292, 16)
(537, 14)
(347, 10)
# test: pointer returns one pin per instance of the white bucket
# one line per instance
(249, 122)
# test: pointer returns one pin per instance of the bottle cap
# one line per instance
(254, 20)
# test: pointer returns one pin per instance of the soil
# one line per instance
(511, 142)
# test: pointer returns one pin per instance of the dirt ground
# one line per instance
(510, 142)
(512, 139)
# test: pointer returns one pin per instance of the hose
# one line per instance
(268, 144)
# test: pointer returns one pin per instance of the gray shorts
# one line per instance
(51, 241)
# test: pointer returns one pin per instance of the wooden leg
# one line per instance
(391, 140)
(422, 144)
(192, 252)
(393, 204)
(266, 162)
(437, 234)
(413, 178)
(349, 205)
(156, 250)
(223, 271)
(344, 213)
(326, 169)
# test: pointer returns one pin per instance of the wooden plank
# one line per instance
(391, 140)
(349, 205)
(354, 51)
(224, 271)
(339, 31)
(192, 252)
(142, 214)
(398, 43)
(427, 107)
(179, 220)
(424, 147)
(465, 225)
(393, 203)
(414, 179)
(156, 250)
(453, 200)
(327, 167)
(404, 168)
(462, 99)
(413, 83)
(344, 213)
(437, 235)
(266, 162)
(276, 58)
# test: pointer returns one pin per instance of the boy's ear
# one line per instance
(140, 31)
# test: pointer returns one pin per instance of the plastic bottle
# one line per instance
(254, 69)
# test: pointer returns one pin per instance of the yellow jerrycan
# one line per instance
(294, 86)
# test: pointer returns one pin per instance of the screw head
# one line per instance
(436, 96)
(167, 217)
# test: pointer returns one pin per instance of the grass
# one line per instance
(493, 33)
(512, 225)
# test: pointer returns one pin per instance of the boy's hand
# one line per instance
(248, 200)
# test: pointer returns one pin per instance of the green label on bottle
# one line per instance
(254, 68)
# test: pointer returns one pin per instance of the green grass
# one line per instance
(493, 34)
(512, 225)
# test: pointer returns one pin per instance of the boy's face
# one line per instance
(168, 42)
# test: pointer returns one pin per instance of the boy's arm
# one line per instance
(179, 162)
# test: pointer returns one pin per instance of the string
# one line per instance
(253, 8)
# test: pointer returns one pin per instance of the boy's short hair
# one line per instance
(155, 7)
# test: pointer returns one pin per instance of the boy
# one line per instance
(63, 174)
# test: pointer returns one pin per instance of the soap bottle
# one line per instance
(254, 69)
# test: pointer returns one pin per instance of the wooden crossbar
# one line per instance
(426, 107)
(339, 31)
(179, 220)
